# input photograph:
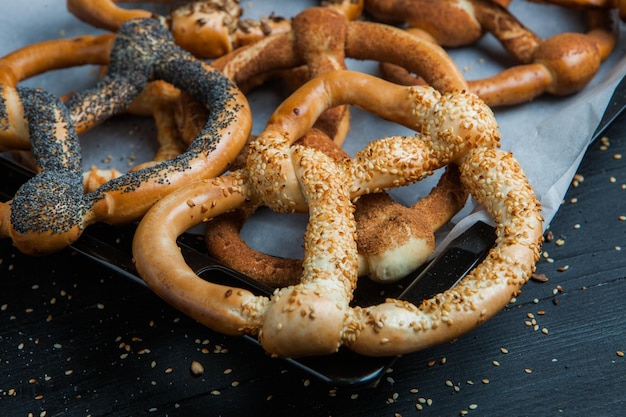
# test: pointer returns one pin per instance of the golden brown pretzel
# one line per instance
(50, 211)
(206, 28)
(560, 65)
(314, 317)
(319, 37)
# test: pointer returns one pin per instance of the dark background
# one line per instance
(78, 339)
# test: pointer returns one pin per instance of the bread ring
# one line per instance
(319, 38)
(314, 317)
(560, 65)
(50, 211)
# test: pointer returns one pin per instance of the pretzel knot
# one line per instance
(50, 211)
(314, 317)
(446, 130)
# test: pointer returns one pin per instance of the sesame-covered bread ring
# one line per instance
(314, 317)
(50, 211)
(206, 28)
(319, 39)
(559, 65)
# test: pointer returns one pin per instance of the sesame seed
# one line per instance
(197, 368)
(620, 353)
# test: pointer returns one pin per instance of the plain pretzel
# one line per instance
(560, 65)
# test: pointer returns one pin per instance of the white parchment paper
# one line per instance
(548, 136)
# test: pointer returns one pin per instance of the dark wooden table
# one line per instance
(77, 339)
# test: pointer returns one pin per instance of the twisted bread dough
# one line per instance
(319, 37)
(560, 65)
(50, 211)
(314, 317)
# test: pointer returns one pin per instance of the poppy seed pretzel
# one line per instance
(314, 317)
(158, 99)
(559, 65)
(50, 211)
(36, 59)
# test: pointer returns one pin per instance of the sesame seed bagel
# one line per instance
(314, 317)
